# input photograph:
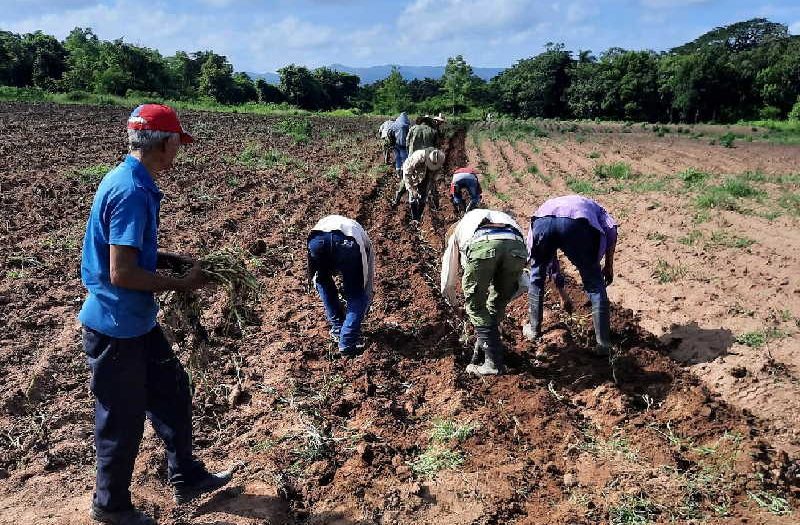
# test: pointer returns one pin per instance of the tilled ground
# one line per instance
(563, 438)
(718, 285)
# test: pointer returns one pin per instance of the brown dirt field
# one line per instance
(724, 290)
(556, 441)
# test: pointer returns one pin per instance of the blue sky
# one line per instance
(264, 35)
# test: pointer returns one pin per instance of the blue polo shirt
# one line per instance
(124, 213)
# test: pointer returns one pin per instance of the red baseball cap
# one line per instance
(157, 117)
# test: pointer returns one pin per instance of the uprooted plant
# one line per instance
(227, 268)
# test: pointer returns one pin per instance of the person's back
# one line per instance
(421, 136)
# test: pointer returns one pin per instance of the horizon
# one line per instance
(261, 37)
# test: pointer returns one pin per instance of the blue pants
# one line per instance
(330, 253)
(472, 187)
(580, 242)
(132, 378)
(400, 156)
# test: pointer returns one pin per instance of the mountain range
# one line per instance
(370, 74)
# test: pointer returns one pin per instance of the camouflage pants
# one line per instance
(491, 277)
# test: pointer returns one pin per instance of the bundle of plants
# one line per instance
(228, 269)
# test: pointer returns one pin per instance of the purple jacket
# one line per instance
(577, 207)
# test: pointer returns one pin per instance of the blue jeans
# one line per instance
(472, 187)
(132, 378)
(400, 156)
(580, 242)
(330, 253)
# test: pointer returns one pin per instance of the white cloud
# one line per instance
(428, 20)
(795, 28)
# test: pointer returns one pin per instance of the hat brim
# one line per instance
(186, 138)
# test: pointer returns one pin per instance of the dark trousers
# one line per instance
(580, 242)
(331, 253)
(426, 189)
(400, 156)
(471, 185)
(133, 378)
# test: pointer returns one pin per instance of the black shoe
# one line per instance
(186, 492)
(353, 350)
(122, 517)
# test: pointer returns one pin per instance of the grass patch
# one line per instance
(656, 236)
(666, 273)
(435, 459)
(693, 177)
(759, 338)
(505, 197)
(580, 186)
(691, 238)
(616, 445)
(446, 430)
(632, 509)
(724, 239)
(770, 502)
(297, 129)
(333, 173)
(726, 195)
(594, 155)
(727, 140)
(616, 170)
(647, 186)
(92, 174)
(254, 156)
(790, 201)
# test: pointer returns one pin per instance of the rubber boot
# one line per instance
(493, 347)
(533, 330)
(477, 351)
(601, 318)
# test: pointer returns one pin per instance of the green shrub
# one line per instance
(693, 177)
(580, 186)
(727, 140)
(770, 113)
(616, 170)
(794, 114)
(298, 129)
(22, 94)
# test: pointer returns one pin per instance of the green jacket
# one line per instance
(421, 136)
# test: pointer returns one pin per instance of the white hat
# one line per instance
(434, 160)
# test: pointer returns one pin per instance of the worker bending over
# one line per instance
(465, 179)
(489, 246)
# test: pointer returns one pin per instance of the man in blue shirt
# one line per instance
(134, 371)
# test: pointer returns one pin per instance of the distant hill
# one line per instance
(272, 78)
(371, 74)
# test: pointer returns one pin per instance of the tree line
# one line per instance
(745, 70)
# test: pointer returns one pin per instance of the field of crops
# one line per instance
(695, 420)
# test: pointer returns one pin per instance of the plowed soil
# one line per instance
(563, 438)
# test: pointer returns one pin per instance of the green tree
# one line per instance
(393, 95)
(216, 78)
(267, 93)
(83, 61)
(47, 59)
(244, 90)
(338, 88)
(423, 89)
(300, 87)
(13, 60)
(737, 37)
(535, 87)
(457, 80)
